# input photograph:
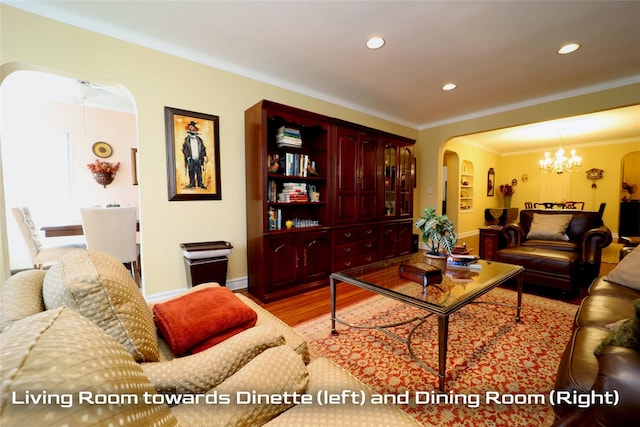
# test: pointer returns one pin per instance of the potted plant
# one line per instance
(438, 234)
(103, 172)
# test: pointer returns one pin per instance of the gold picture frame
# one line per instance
(193, 155)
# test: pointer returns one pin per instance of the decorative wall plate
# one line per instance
(102, 149)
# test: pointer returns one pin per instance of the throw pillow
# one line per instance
(21, 296)
(98, 286)
(627, 335)
(199, 320)
(274, 372)
(56, 355)
(627, 272)
(549, 227)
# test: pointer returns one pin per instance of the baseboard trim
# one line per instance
(233, 284)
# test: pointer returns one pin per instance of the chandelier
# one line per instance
(560, 163)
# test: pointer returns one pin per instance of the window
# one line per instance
(36, 172)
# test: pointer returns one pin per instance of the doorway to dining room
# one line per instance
(50, 127)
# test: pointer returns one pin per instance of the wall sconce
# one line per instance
(103, 172)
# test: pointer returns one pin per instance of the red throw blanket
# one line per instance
(199, 320)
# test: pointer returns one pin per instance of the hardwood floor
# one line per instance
(309, 305)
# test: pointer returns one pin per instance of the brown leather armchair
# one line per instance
(562, 264)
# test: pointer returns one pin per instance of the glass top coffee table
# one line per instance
(460, 286)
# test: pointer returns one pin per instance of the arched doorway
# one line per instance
(50, 125)
(450, 190)
(629, 224)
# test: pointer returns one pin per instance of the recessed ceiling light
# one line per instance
(375, 42)
(568, 48)
(449, 86)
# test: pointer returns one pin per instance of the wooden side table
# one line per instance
(491, 241)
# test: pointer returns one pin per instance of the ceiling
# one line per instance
(501, 54)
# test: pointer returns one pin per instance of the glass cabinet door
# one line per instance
(390, 159)
(406, 182)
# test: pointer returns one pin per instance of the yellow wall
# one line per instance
(576, 186)
(433, 142)
(469, 220)
(156, 80)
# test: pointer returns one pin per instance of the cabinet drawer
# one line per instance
(345, 236)
(347, 249)
(368, 232)
(367, 258)
(355, 234)
(346, 262)
(368, 246)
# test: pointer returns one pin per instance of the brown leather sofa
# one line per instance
(565, 265)
(616, 370)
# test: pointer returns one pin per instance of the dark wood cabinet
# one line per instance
(314, 198)
(397, 239)
(491, 241)
(356, 183)
(280, 257)
(629, 224)
(355, 246)
(295, 258)
(405, 238)
(398, 179)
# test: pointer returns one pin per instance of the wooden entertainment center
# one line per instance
(322, 195)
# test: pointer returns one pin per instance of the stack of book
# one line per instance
(293, 192)
(463, 261)
(289, 137)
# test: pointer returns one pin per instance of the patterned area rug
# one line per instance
(488, 352)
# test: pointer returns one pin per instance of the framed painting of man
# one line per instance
(193, 155)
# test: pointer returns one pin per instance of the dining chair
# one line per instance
(113, 231)
(42, 252)
(549, 205)
(528, 205)
(601, 208)
(573, 205)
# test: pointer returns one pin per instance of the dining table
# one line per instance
(68, 230)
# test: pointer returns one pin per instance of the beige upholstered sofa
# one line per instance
(79, 347)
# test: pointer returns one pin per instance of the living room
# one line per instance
(157, 79)
(54, 47)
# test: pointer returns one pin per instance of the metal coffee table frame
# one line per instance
(442, 311)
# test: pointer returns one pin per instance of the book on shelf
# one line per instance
(272, 191)
(275, 219)
(289, 137)
(294, 164)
